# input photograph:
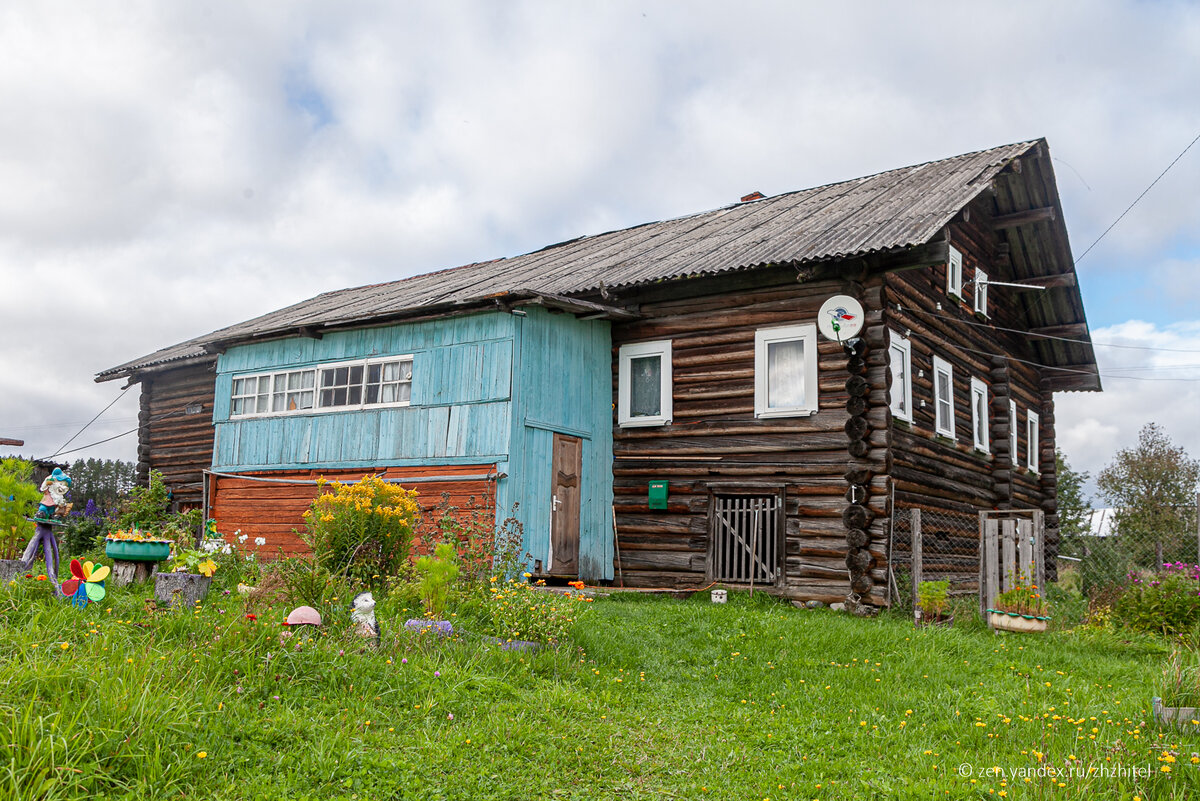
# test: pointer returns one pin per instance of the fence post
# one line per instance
(915, 526)
(1198, 528)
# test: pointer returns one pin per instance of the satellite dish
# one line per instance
(840, 318)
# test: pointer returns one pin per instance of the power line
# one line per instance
(89, 422)
(1025, 333)
(115, 436)
(1138, 198)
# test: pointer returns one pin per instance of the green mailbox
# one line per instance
(658, 494)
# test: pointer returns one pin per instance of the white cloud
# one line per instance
(167, 169)
(1153, 377)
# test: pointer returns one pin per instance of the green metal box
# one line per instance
(658, 494)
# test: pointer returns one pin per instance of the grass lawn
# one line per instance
(654, 698)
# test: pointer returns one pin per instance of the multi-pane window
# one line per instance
(389, 382)
(644, 384)
(293, 391)
(1032, 430)
(344, 385)
(979, 416)
(900, 362)
(943, 397)
(954, 276)
(251, 395)
(785, 371)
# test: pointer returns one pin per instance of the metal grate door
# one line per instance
(744, 545)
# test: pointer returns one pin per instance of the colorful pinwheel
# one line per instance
(86, 584)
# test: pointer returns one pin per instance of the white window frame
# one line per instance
(366, 365)
(943, 366)
(981, 292)
(1012, 431)
(315, 370)
(901, 399)
(954, 273)
(763, 338)
(272, 377)
(1032, 436)
(979, 395)
(625, 356)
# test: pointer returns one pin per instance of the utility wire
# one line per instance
(88, 423)
(115, 436)
(1138, 198)
(1023, 333)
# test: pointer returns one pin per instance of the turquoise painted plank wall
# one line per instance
(460, 409)
(486, 388)
(564, 384)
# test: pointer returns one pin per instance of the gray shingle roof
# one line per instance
(888, 211)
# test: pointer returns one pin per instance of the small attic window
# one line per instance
(981, 286)
(954, 278)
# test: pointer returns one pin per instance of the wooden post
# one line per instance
(1158, 557)
(991, 552)
(915, 526)
(1039, 549)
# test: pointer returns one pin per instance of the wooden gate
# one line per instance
(1011, 551)
(744, 540)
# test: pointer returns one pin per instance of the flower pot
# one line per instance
(182, 590)
(1178, 716)
(1011, 621)
(940, 619)
(9, 569)
(136, 550)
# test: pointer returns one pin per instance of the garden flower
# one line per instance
(201, 754)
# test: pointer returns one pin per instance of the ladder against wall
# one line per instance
(1011, 551)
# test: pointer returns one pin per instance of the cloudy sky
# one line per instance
(170, 168)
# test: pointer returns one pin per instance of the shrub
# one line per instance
(931, 597)
(362, 531)
(17, 494)
(520, 611)
(437, 572)
(85, 529)
(1167, 603)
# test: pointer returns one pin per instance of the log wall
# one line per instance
(930, 471)
(275, 511)
(175, 430)
(716, 444)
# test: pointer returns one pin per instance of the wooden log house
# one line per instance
(655, 405)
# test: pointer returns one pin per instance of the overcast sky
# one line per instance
(170, 168)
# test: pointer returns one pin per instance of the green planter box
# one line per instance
(134, 551)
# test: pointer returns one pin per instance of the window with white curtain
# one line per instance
(979, 416)
(644, 384)
(943, 397)
(900, 362)
(785, 371)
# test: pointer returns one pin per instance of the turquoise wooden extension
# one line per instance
(530, 393)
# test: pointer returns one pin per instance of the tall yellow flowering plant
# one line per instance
(364, 530)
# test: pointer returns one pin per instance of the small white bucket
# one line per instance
(720, 596)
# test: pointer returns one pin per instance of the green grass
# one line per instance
(654, 698)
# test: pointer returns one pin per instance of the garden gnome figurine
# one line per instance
(54, 491)
(362, 615)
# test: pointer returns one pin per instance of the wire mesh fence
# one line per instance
(1120, 543)
(933, 545)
